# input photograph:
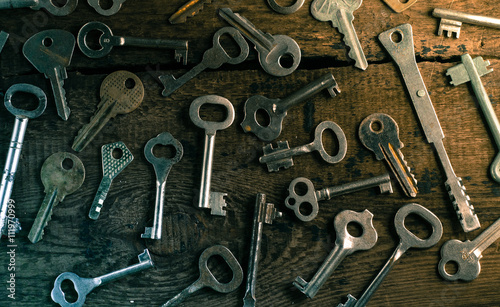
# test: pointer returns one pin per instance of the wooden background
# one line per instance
(290, 248)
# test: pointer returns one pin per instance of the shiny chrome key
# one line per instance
(113, 9)
(51, 6)
(451, 21)
(189, 9)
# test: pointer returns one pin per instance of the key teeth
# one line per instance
(166, 81)
(42, 230)
(450, 26)
(465, 199)
(409, 170)
(280, 145)
(334, 90)
(218, 203)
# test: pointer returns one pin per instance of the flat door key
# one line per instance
(111, 167)
(62, 174)
(451, 21)
(277, 109)
(83, 286)
(113, 9)
(50, 6)
(162, 168)
(281, 155)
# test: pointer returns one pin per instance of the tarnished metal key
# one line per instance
(380, 133)
(271, 48)
(295, 199)
(281, 155)
(62, 174)
(113, 9)
(51, 6)
(452, 20)
(115, 158)
(83, 286)
(121, 92)
(189, 9)
(345, 244)
(162, 167)
(277, 109)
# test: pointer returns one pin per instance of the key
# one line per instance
(83, 286)
(189, 9)
(115, 7)
(50, 51)
(403, 54)
(10, 226)
(50, 6)
(452, 20)
(380, 133)
(111, 167)
(407, 240)
(281, 155)
(276, 109)
(59, 181)
(345, 244)
(295, 200)
(207, 279)
(4, 36)
(213, 58)
(121, 92)
(271, 48)
(263, 213)
(209, 199)
(285, 9)
(399, 6)
(466, 255)
(339, 13)
(162, 168)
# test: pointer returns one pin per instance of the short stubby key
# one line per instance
(207, 279)
(407, 240)
(380, 133)
(83, 286)
(107, 41)
(62, 174)
(451, 21)
(113, 9)
(277, 109)
(115, 158)
(281, 155)
(121, 92)
(51, 6)
(345, 244)
(10, 226)
(162, 168)
(50, 51)
(189, 9)
(209, 199)
(271, 48)
(213, 58)
(340, 14)
(296, 200)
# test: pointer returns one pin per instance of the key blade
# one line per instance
(43, 216)
(351, 302)
(217, 203)
(450, 27)
(346, 27)
(461, 202)
(189, 9)
(49, 48)
(400, 168)
(459, 74)
(273, 162)
(486, 238)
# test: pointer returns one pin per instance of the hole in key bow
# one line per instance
(262, 118)
(220, 269)
(68, 288)
(47, 42)
(92, 39)
(117, 153)
(286, 3)
(403, 1)
(165, 151)
(59, 3)
(396, 37)
(286, 60)
(355, 229)
(67, 164)
(451, 267)
(300, 188)
(25, 101)
(106, 4)
(213, 112)
(306, 208)
(376, 126)
(227, 43)
(418, 226)
(330, 141)
(130, 83)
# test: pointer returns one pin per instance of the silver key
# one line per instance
(49, 5)
(83, 286)
(281, 155)
(403, 54)
(111, 167)
(50, 51)
(162, 167)
(213, 58)
(62, 174)
(452, 20)
(277, 109)
(263, 213)
(11, 226)
(339, 13)
(207, 279)
(345, 244)
(117, 5)
(207, 198)
(271, 48)
(296, 200)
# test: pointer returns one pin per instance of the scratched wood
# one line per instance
(290, 248)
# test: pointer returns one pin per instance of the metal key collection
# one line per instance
(121, 92)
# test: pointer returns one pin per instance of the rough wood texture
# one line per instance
(290, 248)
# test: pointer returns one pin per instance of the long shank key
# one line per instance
(113, 9)
(49, 5)
(451, 21)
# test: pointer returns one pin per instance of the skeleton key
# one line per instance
(107, 41)
(407, 240)
(207, 198)
(345, 244)
(339, 12)
(50, 51)
(121, 92)
(281, 155)
(50, 6)
(189, 9)
(467, 254)
(271, 48)
(83, 286)
(117, 5)
(452, 20)
(207, 279)
(111, 167)
(162, 167)
(277, 109)
(213, 58)
(295, 200)
(59, 179)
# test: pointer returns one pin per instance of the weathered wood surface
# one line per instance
(290, 248)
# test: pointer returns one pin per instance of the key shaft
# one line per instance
(99, 198)
(381, 181)
(489, 236)
(478, 20)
